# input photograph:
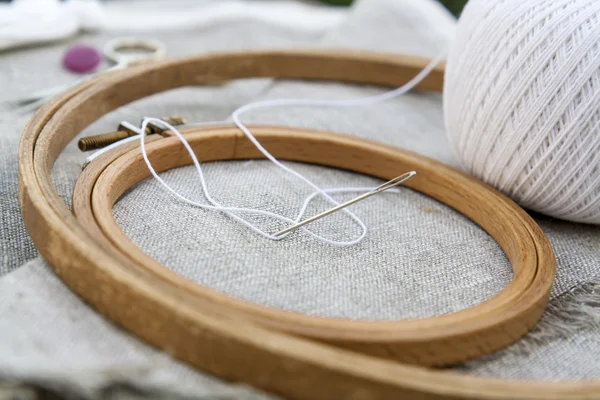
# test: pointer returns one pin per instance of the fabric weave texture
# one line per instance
(420, 258)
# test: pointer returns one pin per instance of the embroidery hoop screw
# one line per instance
(123, 131)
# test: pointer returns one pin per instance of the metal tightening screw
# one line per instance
(99, 141)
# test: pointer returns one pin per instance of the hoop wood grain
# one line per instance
(229, 344)
(431, 341)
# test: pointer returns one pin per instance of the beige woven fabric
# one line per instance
(419, 258)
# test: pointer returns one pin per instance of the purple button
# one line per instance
(81, 59)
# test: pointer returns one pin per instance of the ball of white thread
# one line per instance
(522, 102)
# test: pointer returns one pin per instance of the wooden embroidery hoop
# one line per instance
(439, 340)
(220, 342)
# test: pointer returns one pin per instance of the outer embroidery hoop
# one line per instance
(235, 345)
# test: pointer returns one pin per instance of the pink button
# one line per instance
(81, 59)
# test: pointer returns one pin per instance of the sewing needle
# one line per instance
(388, 185)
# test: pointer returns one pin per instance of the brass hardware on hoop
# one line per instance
(124, 131)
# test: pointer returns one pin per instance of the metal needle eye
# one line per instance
(387, 185)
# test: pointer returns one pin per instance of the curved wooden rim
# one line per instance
(431, 341)
(169, 318)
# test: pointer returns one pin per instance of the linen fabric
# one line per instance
(419, 259)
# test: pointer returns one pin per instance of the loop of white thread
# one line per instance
(232, 211)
